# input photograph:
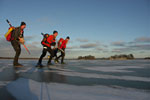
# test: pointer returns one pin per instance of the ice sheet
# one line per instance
(112, 68)
(25, 89)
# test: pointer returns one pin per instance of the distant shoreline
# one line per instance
(72, 58)
(29, 58)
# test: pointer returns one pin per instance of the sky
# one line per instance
(101, 28)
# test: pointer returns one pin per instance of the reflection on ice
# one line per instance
(25, 89)
(75, 80)
(93, 75)
(112, 68)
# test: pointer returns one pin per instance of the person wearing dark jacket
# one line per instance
(17, 39)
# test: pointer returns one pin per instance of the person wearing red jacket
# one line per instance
(61, 47)
(47, 47)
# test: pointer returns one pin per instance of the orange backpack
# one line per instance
(9, 33)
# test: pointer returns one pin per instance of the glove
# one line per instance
(53, 43)
(21, 40)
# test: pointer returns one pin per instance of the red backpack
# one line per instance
(9, 33)
(60, 42)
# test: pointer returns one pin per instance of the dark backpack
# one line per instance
(45, 36)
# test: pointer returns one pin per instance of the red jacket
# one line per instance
(49, 40)
(63, 45)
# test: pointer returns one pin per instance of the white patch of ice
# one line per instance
(23, 70)
(35, 70)
(112, 68)
(93, 75)
(4, 83)
(3, 68)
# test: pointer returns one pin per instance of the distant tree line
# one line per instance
(89, 57)
(122, 57)
(147, 57)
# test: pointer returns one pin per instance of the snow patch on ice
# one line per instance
(4, 83)
(93, 75)
(3, 68)
(112, 68)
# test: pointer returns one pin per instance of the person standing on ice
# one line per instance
(47, 42)
(17, 39)
(61, 47)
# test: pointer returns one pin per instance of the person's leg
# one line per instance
(55, 55)
(51, 55)
(17, 48)
(42, 56)
(55, 52)
(59, 56)
(63, 56)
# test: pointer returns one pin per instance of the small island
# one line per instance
(147, 58)
(115, 57)
(121, 57)
(89, 57)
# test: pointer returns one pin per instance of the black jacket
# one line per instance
(16, 33)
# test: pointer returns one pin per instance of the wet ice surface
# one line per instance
(82, 80)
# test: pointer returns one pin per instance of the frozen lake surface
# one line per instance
(77, 80)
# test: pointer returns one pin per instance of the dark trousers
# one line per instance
(55, 52)
(44, 54)
(17, 48)
(62, 56)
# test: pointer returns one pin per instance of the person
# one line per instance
(56, 49)
(17, 39)
(47, 47)
(61, 47)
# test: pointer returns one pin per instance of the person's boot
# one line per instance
(63, 63)
(56, 61)
(48, 64)
(39, 65)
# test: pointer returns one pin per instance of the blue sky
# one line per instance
(98, 27)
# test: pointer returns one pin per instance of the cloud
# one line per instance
(106, 46)
(7, 50)
(138, 44)
(99, 49)
(139, 47)
(104, 50)
(142, 40)
(71, 41)
(118, 50)
(4, 44)
(29, 38)
(82, 40)
(73, 47)
(34, 43)
(89, 45)
(118, 43)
